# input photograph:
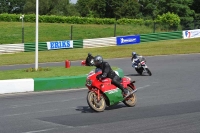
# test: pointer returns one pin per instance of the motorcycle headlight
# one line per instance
(88, 82)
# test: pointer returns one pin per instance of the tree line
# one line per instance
(187, 10)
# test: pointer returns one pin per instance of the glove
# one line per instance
(99, 76)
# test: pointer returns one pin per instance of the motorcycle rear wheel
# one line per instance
(131, 100)
(139, 71)
(93, 102)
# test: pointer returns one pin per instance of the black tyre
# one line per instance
(139, 71)
(93, 102)
(148, 71)
(131, 100)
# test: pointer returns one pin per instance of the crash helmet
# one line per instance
(89, 54)
(134, 55)
(98, 60)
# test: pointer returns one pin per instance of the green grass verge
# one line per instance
(147, 49)
(53, 72)
(179, 46)
(11, 32)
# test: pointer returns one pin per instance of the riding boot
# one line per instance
(126, 93)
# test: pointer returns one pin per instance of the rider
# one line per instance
(88, 60)
(136, 59)
(107, 72)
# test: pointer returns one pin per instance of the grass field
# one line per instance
(50, 32)
(11, 32)
(151, 48)
(53, 72)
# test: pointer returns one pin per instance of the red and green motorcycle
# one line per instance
(102, 93)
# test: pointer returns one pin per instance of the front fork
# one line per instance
(97, 92)
(98, 95)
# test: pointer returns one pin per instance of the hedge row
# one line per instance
(71, 20)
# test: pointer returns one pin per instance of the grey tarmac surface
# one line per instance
(167, 102)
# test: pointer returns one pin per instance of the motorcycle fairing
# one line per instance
(114, 96)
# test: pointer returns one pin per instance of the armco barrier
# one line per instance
(45, 84)
(11, 48)
(30, 47)
(78, 43)
(99, 42)
(90, 43)
(161, 36)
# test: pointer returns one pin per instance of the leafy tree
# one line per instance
(71, 10)
(149, 8)
(46, 7)
(4, 6)
(11, 6)
(128, 9)
(195, 6)
(84, 7)
(122, 9)
(171, 19)
(179, 7)
(99, 8)
(109, 8)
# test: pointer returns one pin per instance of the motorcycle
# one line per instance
(141, 67)
(83, 63)
(102, 93)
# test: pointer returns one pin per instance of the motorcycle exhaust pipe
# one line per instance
(134, 91)
(130, 94)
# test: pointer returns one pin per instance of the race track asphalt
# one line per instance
(167, 102)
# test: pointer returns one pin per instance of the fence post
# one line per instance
(154, 27)
(22, 34)
(71, 32)
(22, 18)
(115, 29)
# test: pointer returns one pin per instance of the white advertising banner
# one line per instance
(60, 44)
(191, 34)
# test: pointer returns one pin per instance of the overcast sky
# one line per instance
(73, 1)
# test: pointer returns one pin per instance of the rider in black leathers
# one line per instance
(107, 72)
(88, 60)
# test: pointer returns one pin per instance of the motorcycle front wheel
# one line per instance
(148, 71)
(131, 100)
(93, 102)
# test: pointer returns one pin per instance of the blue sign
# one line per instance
(59, 44)
(122, 40)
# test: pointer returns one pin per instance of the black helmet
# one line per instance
(89, 54)
(134, 54)
(98, 60)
